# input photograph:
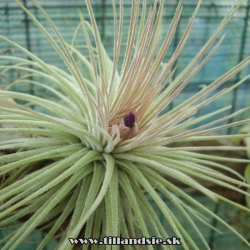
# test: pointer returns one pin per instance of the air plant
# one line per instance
(105, 141)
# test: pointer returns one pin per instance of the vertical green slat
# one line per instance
(103, 20)
(235, 92)
(28, 43)
(176, 41)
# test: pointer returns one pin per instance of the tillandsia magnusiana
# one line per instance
(106, 142)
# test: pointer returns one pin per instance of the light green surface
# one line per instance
(227, 240)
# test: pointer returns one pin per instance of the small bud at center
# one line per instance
(129, 120)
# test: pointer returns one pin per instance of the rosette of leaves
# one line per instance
(105, 140)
